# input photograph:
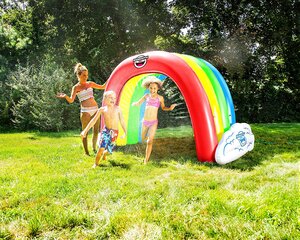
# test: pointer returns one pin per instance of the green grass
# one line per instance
(49, 191)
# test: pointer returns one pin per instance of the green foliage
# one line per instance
(252, 43)
(15, 30)
(49, 190)
(4, 99)
(33, 91)
(98, 33)
(180, 115)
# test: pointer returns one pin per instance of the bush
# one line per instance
(35, 105)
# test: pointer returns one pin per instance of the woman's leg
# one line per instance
(96, 130)
(85, 119)
(151, 134)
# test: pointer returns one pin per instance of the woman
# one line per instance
(84, 91)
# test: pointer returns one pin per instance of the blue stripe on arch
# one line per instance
(226, 91)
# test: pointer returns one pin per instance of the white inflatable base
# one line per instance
(236, 142)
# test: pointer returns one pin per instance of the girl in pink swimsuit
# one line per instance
(84, 91)
(153, 101)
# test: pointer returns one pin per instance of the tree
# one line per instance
(253, 43)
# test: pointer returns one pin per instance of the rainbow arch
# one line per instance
(203, 88)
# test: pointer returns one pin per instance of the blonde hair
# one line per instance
(107, 93)
(79, 68)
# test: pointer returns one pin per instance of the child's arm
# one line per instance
(139, 102)
(98, 86)
(69, 99)
(162, 104)
(91, 123)
(122, 122)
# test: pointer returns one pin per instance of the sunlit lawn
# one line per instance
(49, 190)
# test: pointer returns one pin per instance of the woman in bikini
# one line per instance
(153, 102)
(84, 91)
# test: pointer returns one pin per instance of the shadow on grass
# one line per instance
(270, 139)
(164, 149)
(121, 165)
(106, 165)
(73, 133)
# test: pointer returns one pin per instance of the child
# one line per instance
(112, 116)
(88, 105)
(153, 101)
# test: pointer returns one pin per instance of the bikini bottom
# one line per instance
(150, 123)
(90, 110)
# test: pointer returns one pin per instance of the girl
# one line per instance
(153, 101)
(84, 91)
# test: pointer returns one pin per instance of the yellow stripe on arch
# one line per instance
(124, 104)
(208, 88)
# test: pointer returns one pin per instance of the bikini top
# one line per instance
(153, 102)
(85, 94)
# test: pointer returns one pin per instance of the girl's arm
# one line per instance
(65, 96)
(98, 86)
(91, 123)
(139, 102)
(162, 104)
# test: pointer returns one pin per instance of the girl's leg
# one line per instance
(96, 129)
(151, 134)
(85, 119)
(144, 132)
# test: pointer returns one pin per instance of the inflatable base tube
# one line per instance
(235, 143)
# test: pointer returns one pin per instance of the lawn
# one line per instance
(49, 190)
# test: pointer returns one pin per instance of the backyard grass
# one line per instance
(48, 189)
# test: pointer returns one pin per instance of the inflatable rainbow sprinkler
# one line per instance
(217, 135)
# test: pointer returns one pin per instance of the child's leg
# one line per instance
(144, 132)
(151, 133)
(95, 134)
(85, 119)
(98, 156)
(104, 154)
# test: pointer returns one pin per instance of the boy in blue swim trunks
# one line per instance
(112, 117)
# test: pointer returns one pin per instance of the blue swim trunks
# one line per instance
(108, 139)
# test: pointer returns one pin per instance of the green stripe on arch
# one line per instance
(134, 113)
(218, 91)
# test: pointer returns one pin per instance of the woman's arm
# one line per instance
(65, 96)
(162, 104)
(98, 86)
(139, 102)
